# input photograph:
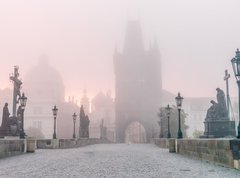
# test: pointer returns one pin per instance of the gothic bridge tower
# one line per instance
(138, 83)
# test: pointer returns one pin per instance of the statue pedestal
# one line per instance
(219, 128)
(5, 132)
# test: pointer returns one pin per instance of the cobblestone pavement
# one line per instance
(113, 160)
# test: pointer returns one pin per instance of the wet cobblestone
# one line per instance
(113, 160)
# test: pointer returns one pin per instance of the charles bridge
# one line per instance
(121, 160)
(99, 158)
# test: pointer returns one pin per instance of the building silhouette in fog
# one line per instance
(44, 87)
(102, 113)
(138, 83)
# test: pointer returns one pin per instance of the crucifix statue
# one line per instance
(226, 77)
(16, 88)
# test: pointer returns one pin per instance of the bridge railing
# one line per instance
(223, 151)
(11, 147)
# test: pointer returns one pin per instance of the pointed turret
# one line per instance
(137, 82)
(133, 38)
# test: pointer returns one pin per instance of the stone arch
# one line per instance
(135, 132)
(123, 123)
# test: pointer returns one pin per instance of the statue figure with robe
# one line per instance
(218, 110)
(217, 122)
(5, 116)
(222, 106)
(84, 124)
(211, 112)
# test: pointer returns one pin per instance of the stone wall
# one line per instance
(68, 143)
(220, 151)
(72, 143)
(47, 144)
(161, 142)
(10, 147)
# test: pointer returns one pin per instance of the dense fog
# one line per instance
(196, 41)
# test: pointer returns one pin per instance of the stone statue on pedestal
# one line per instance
(11, 126)
(218, 110)
(217, 122)
(103, 130)
(87, 121)
(16, 88)
(212, 111)
(5, 116)
(84, 124)
(222, 106)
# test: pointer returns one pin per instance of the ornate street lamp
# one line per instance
(168, 108)
(74, 122)
(179, 100)
(54, 110)
(236, 68)
(23, 101)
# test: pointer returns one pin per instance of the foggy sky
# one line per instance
(197, 40)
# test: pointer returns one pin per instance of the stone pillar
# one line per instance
(171, 145)
(31, 145)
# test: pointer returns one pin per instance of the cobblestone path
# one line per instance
(113, 160)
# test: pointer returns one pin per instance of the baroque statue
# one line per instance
(218, 110)
(12, 126)
(84, 124)
(5, 116)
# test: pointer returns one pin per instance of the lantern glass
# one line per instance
(168, 108)
(74, 116)
(179, 100)
(55, 110)
(23, 101)
(236, 65)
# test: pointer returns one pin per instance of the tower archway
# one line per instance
(138, 84)
(135, 133)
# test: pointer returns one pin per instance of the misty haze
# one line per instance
(119, 88)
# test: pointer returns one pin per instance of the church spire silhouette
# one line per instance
(133, 37)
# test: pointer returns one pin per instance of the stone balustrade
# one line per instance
(222, 151)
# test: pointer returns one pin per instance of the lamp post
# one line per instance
(179, 100)
(74, 122)
(160, 125)
(23, 101)
(236, 68)
(54, 110)
(168, 108)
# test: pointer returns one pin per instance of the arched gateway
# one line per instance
(137, 83)
(135, 133)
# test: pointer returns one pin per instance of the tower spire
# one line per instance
(133, 38)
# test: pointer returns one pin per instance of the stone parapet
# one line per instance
(11, 147)
(224, 152)
(68, 143)
(161, 142)
(220, 151)
(47, 144)
(73, 143)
